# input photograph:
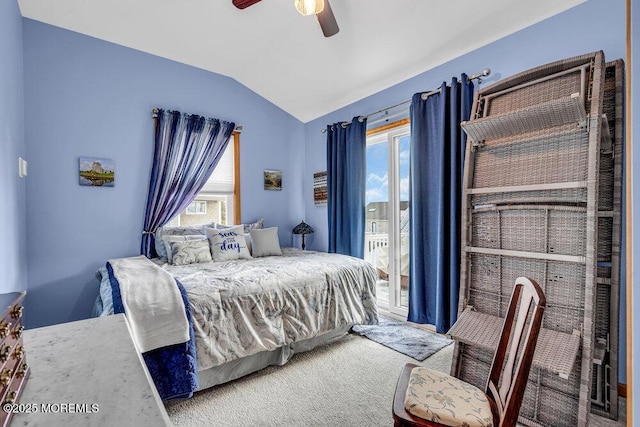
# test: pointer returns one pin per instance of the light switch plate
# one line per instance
(22, 167)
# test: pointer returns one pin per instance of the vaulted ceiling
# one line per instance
(284, 57)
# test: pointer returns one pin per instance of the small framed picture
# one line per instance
(320, 188)
(96, 172)
(272, 180)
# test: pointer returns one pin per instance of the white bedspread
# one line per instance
(152, 303)
(243, 307)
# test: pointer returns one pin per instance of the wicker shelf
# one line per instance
(556, 112)
(523, 254)
(532, 187)
(556, 352)
(531, 145)
(599, 352)
(606, 145)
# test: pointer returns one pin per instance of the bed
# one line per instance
(247, 314)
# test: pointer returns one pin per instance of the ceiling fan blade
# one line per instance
(327, 20)
(243, 4)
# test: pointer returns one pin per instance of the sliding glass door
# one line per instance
(387, 214)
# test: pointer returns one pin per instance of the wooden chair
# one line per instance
(430, 398)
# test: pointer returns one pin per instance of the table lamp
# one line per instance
(304, 229)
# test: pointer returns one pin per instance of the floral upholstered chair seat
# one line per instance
(441, 398)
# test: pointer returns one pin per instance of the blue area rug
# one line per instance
(403, 337)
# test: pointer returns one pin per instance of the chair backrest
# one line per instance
(508, 380)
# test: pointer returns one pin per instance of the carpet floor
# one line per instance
(348, 382)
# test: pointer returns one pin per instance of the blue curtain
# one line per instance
(187, 149)
(436, 167)
(346, 182)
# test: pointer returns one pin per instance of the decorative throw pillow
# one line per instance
(247, 238)
(178, 231)
(247, 227)
(228, 244)
(259, 224)
(190, 252)
(168, 239)
(265, 242)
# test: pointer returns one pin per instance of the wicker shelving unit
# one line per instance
(536, 178)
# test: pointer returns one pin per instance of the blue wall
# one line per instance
(559, 37)
(87, 97)
(13, 264)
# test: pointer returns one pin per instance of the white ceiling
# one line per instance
(283, 56)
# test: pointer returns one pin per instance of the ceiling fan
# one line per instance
(320, 8)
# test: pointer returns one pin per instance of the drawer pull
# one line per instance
(17, 332)
(4, 329)
(5, 351)
(16, 311)
(22, 370)
(11, 397)
(18, 352)
(5, 376)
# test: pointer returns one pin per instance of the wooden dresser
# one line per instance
(14, 370)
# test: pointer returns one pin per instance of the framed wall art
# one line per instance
(272, 180)
(320, 188)
(96, 172)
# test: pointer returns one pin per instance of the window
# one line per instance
(219, 199)
(198, 207)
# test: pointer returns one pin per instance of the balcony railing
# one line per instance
(372, 244)
(372, 241)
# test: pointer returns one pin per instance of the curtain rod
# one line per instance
(425, 95)
(154, 114)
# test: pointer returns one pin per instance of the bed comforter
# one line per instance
(243, 307)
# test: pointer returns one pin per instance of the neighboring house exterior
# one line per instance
(201, 211)
(377, 216)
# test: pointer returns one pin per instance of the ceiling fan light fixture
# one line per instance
(309, 7)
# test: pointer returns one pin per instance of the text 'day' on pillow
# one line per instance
(228, 244)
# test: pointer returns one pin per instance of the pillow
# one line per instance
(259, 224)
(168, 239)
(265, 242)
(228, 243)
(247, 238)
(190, 252)
(178, 231)
(247, 227)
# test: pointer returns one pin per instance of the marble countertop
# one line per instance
(87, 373)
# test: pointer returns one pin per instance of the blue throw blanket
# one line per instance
(173, 368)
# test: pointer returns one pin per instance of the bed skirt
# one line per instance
(247, 365)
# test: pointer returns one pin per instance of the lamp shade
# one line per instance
(303, 228)
(309, 7)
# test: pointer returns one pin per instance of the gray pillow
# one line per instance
(264, 242)
(247, 227)
(247, 238)
(190, 252)
(168, 239)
